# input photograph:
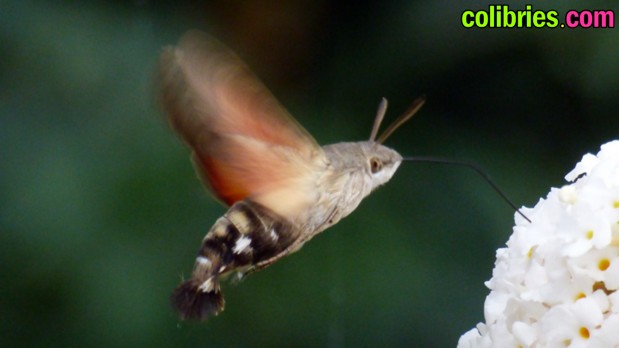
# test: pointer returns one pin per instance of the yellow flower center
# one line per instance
(584, 332)
(604, 264)
(530, 253)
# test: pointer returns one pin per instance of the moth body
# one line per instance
(250, 236)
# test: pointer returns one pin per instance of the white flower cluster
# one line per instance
(555, 285)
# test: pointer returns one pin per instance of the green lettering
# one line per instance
(551, 19)
(481, 19)
(468, 19)
(521, 16)
(539, 19)
(509, 17)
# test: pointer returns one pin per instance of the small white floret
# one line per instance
(568, 194)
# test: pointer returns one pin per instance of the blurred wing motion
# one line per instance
(244, 143)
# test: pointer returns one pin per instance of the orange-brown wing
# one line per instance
(245, 144)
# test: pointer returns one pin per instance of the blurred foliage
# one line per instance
(101, 214)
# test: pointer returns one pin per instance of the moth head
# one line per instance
(381, 162)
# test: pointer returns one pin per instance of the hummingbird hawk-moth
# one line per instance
(281, 186)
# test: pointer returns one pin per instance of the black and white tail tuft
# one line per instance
(194, 303)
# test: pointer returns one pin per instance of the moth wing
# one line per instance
(244, 143)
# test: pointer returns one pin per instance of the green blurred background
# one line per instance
(101, 213)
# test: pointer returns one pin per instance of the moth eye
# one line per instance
(375, 165)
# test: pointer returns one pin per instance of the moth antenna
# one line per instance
(410, 112)
(380, 114)
(476, 168)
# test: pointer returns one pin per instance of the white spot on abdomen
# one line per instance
(241, 244)
(203, 261)
(274, 235)
(207, 286)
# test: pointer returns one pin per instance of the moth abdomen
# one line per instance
(201, 297)
(245, 236)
